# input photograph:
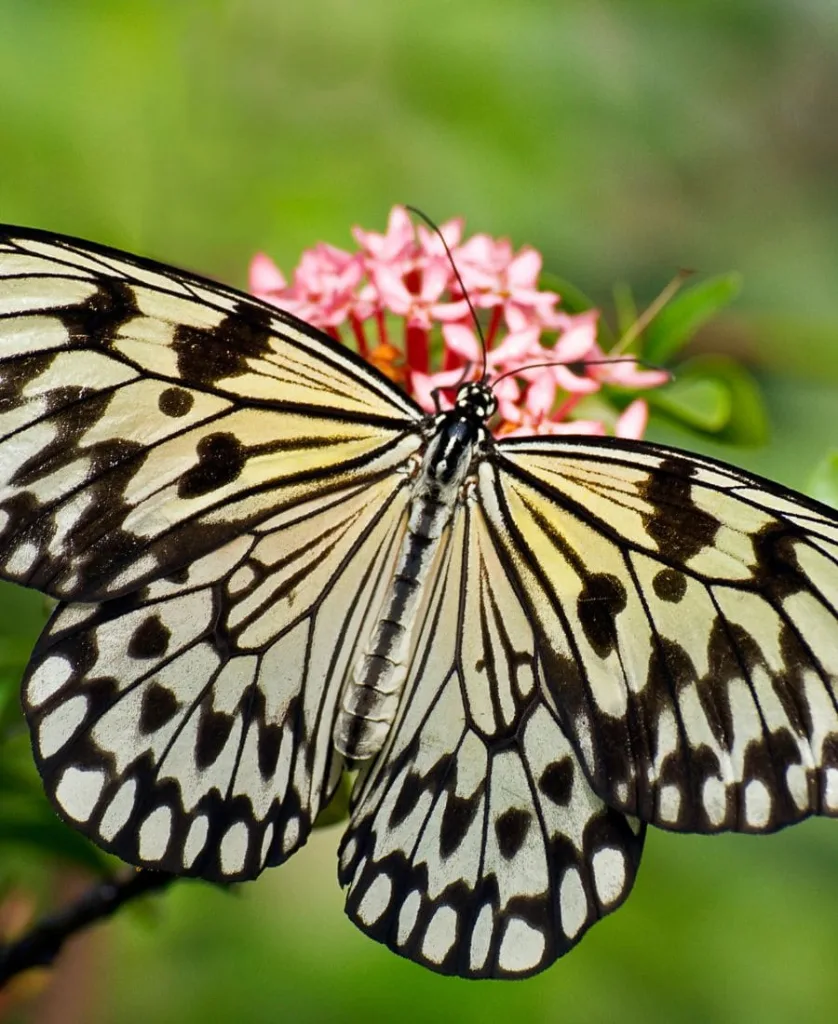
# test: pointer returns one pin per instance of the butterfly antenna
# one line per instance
(651, 311)
(582, 363)
(423, 216)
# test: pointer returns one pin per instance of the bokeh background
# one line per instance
(623, 139)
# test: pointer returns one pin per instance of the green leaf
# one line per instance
(574, 300)
(571, 298)
(702, 404)
(678, 321)
(715, 395)
(824, 482)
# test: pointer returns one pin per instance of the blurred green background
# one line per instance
(624, 140)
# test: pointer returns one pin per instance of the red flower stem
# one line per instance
(416, 349)
(451, 360)
(383, 337)
(567, 407)
(494, 324)
(360, 336)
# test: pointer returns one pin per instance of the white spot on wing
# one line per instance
(609, 866)
(195, 840)
(241, 579)
(714, 796)
(348, 854)
(23, 295)
(234, 848)
(376, 899)
(831, 789)
(119, 810)
(757, 804)
(59, 726)
(521, 947)
(47, 679)
(573, 903)
(797, 784)
(407, 916)
(441, 934)
(155, 833)
(670, 803)
(291, 835)
(78, 792)
(267, 839)
(21, 559)
(481, 937)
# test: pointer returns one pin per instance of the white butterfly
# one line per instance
(272, 563)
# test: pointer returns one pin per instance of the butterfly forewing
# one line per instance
(128, 448)
(687, 613)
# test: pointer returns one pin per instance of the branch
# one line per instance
(40, 946)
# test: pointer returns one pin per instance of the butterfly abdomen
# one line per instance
(372, 696)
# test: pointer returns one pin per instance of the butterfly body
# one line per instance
(269, 559)
(371, 700)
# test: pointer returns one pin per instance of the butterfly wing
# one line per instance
(476, 845)
(687, 617)
(220, 490)
(148, 416)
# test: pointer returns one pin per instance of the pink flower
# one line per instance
(541, 360)
(323, 292)
(632, 423)
(396, 246)
(494, 275)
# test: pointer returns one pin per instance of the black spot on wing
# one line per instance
(221, 457)
(269, 734)
(99, 318)
(511, 830)
(17, 374)
(407, 799)
(602, 598)
(214, 728)
(457, 818)
(669, 585)
(175, 402)
(678, 526)
(179, 576)
(775, 561)
(556, 781)
(159, 707)
(212, 354)
(150, 639)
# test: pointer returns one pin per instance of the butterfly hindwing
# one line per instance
(688, 615)
(188, 725)
(476, 845)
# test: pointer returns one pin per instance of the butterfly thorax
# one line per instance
(371, 699)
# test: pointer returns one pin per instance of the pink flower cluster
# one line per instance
(406, 273)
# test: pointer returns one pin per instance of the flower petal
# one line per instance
(632, 423)
(264, 275)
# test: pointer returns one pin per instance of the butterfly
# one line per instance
(273, 567)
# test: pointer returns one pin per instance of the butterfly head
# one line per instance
(477, 400)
